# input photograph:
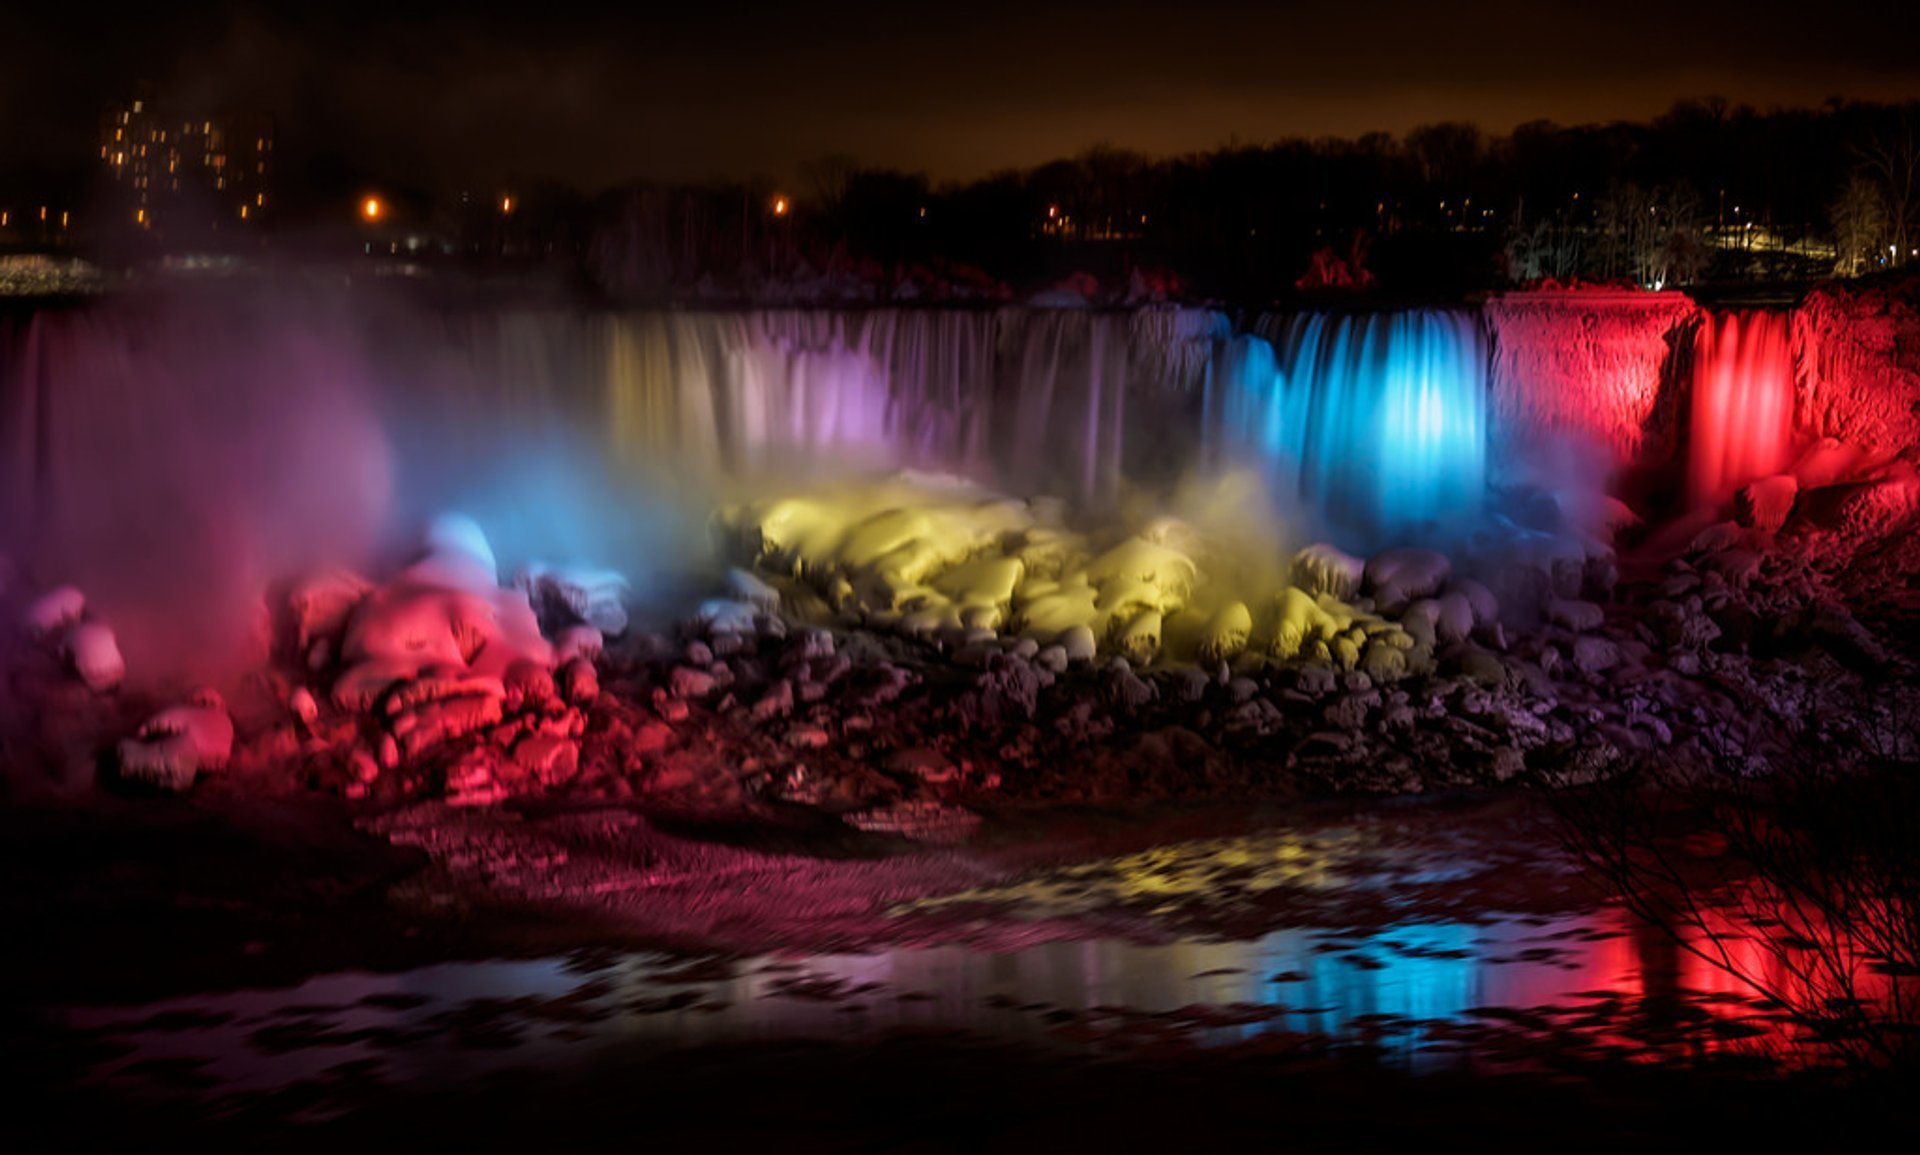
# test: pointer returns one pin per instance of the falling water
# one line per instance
(1742, 413)
(1374, 423)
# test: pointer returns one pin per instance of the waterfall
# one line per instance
(1374, 423)
(1741, 424)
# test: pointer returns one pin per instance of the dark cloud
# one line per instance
(450, 93)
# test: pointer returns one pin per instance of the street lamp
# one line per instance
(372, 209)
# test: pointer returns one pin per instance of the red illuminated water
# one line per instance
(1742, 412)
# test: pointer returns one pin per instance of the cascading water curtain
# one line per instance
(1374, 425)
(1741, 426)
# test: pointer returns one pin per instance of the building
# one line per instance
(181, 175)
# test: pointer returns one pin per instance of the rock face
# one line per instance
(1859, 352)
(1585, 363)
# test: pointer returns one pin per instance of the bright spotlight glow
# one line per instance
(372, 209)
(779, 206)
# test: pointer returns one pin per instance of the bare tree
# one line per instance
(1892, 155)
(1859, 218)
(1808, 892)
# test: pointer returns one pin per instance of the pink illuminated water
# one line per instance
(1742, 411)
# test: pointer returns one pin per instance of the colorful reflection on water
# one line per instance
(1427, 994)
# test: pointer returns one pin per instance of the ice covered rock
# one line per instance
(1766, 504)
(1452, 615)
(53, 612)
(746, 587)
(581, 641)
(1324, 569)
(1298, 619)
(455, 535)
(719, 616)
(1399, 576)
(567, 593)
(1226, 633)
(177, 745)
(320, 604)
(1383, 661)
(437, 616)
(1139, 640)
(442, 705)
(92, 653)
(1828, 461)
(1078, 643)
(301, 703)
(1056, 608)
(578, 681)
(1486, 607)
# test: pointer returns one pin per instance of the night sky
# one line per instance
(446, 94)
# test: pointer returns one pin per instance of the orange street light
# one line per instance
(372, 209)
(779, 206)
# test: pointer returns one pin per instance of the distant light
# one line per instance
(1053, 211)
(373, 209)
(923, 210)
(506, 205)
(779, 206)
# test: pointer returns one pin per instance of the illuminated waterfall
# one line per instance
(1742, 413)
(1373, 423)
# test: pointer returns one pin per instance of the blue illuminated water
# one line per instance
(1373, 424)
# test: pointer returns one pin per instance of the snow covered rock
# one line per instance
(1226, 633)
(53, 612)
(177, 745)
(1766, 504)
(1324, 569)
(1399, 576)
(93, 654)
(563, 594)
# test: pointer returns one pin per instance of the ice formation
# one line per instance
(960, 567)
(94, 655)
(177, 745)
